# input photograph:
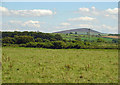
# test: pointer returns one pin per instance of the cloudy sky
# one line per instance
(57, 16)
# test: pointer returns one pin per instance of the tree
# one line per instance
(23, 39)
(38, 40)
(67, 34)
(115, 40)
(100, 40)
(75, 32)
(8, 40)
(58, 37)
(31, 44)
(71, 33)
(78, 39)
(58, 44)
(99, 35)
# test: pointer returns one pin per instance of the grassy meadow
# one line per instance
(38, 65)
(83, 37)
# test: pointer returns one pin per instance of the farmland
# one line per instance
(85, 37)
(38, 65)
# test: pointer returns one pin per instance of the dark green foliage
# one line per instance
(54, 41)
(38, 40)
(31, 44)
(40, 45)
(58, 37)
(79, 39)
(33, 34)
(100, 40)
(8, 40)
(67, 34)
(23, 39)
(75, 32)
(114, 35)
(45, 40)
(79, 45)
(70, 45)
(71, 33)
(115, 40)
(58, 44)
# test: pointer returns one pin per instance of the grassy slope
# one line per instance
(73, 36)
(34, 65)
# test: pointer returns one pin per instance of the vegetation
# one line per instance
(33, 65)
(57, 41)
(69, 58)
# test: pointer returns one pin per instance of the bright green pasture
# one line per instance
(83, 37)
(35, 65)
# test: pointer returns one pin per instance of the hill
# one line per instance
(80, 31)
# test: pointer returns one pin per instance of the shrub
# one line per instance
(58, 37)
(8, 40)
(38, 40)
(31, 44)
(100, 40)
(78, 39)
(45, 40)
(70, 45)
(79, 45)
(58, 44)
(23, 39)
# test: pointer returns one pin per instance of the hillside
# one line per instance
(80, 31)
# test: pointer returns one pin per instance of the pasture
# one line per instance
(38, 65)
(85, 37)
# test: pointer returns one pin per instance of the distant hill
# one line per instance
(80, 31)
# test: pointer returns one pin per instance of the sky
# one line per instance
(50, 17)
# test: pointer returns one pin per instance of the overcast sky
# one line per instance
(57, 16)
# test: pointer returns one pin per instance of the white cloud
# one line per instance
(15, 22)
(112, 11)
(82, 19)
(93, 8)
(65, 24)
(4, 11)
(27, 13)
(84, 9)
(84, 25)
(30, 23)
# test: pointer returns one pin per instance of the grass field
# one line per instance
(85, 37)
(35, 65)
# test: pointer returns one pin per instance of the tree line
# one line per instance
(49, 40)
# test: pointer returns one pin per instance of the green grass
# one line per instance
(35, 65)
(83, 37)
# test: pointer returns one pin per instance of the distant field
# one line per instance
(110, 37)
(35, 65)
(85, 37)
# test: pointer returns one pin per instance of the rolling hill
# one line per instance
(80, 31)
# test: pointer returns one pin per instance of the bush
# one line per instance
(100, 40)
(70, 45)
(58, 37)
(79, 45)
(38, 40)
(48, 45)
(78, 39)
(45, 40)
(58, 44)
(41, 45)
(8, 40)
(23, 39)
(22, 45)
(31, 44)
